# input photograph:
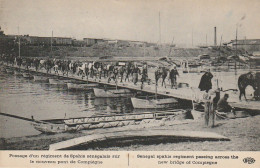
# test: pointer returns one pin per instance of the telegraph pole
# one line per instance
(192, 37)
(206, 40)
(51, 41)
(19, 43)
(236, 51)
(159, 28)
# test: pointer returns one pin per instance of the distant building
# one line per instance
(123, 42)
(36, 40)
(150, 44)
(1, 32)
(136, 43)
(92, 41)
(112, 41)
(61, 41)
(11, 36)
(79, 43)
(249, 45)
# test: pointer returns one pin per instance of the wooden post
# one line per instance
(156, 91)
(211, 122)
(116, 83)
(206, 110)
(209, 110)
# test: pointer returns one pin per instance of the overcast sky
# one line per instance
(134, 19)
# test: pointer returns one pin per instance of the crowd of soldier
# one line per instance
(94, 69)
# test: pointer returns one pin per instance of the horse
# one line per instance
(144, 73)
(19, 62)
(42, 63)
(28, 63)
(48, 64)
(257, 84)
(136, 71)
(157, 75)
(249, 79)
(128, 71)
(81, 69)
(64, 68)
(164, 75)
(110, 72)
(121, 72)
(36, 63)
(161, 72)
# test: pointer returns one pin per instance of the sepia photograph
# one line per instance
(130, 75)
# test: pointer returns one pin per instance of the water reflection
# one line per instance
(28, 98)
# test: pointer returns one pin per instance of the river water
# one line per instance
(26, 98)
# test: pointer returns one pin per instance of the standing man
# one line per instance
(164, 75)
(144, 74)
(136, 70)
(157, 75)
(121, 72)
(115, 72)
(127, 71)
(100, 71)
(205, 81)
(86, 70)
(173, 77)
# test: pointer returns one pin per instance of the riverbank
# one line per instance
(244, 134)
(114, 50)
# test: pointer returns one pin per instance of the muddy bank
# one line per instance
(244, 134)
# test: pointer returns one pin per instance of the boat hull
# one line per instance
(198, 115)
(27, 76)
(73, 86)
(230, 115)
(153, 103)
(119, 120)
(17, 73)
(112, 93)
(104, 121)
(9, 70)
(49, 128)
(58, 82)
(40, 78)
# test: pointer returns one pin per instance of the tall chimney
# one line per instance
(215, 36)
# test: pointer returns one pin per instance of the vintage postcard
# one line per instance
(129, 83)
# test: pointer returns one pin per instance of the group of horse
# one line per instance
(92, 69)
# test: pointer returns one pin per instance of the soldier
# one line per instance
(136, 70)
(205, 81)
(157, 75)
(144, 74)
(121, 72)
(164, 75)
(173, 77)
